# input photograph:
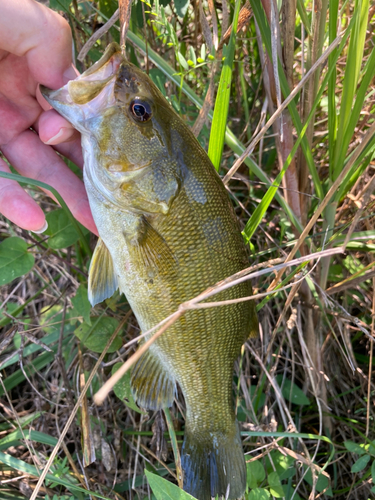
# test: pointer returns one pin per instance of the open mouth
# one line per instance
(87, 87)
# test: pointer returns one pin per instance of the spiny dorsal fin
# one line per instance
(152, 386)
(149, 247)
(102, 276)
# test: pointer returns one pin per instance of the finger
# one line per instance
(30, 157)
(28, 28)
(17, 206)
(52, 130)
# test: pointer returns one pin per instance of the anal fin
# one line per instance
(102, 276)
(152, 386)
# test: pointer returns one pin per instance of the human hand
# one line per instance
(36, 47)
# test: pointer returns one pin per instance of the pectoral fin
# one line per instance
(102, 276)
(149, 247)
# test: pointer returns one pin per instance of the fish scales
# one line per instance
(167, 232)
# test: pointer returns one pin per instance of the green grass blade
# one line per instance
(292, 435)
(259, 212)
(332, 59)
(230, 139)
(304, 17)
(357, 169)
(266, 37)
(219, 122)
(16, 436)
(173, 438)
(352, 72)
(32, 471)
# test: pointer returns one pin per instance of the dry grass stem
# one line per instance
(73, 414)
(279, 110)
(97, 35)
(370, 132)
(194, 304)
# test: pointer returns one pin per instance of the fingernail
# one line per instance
(70, 74)
(63, 135)
(40, 231)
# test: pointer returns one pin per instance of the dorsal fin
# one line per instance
(102, 276)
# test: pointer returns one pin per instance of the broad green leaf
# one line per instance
(51, 319)
(60, 4)
(322, 483)
(181, 7)
(275, 485)
(354, 447)
(203, 52)
(61, 230)
(361, 463)
(164, 490)
(292, 392)
(122, 389)
(95, 337)
(284, 465)
(139, 480)
(259, 494)
(192, 55)
(219, 121)
(15, 260)
(255, 473)
(373, 471)
(182, 61)
(289, 492)
(82, 306)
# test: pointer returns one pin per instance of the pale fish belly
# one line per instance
(112, 223)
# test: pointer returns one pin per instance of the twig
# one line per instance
(327, 199)
(98, 34)
(73, 414)
(279, 110)
(125, 8)
(195, 304)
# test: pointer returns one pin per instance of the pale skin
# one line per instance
(36, 48)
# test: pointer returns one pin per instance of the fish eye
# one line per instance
(141, 110)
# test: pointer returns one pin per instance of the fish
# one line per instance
(167, 231)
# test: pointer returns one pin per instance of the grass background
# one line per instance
(302, 185)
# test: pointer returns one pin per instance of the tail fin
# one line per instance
(214, 464)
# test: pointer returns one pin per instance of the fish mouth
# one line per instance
(93, 88)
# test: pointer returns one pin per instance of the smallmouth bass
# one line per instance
(167, 232)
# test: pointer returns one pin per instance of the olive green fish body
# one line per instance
(168, 232)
